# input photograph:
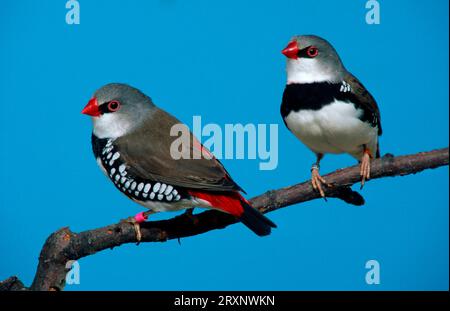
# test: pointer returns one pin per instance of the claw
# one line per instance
(317, 181)
(136, 221)
(190, 214)
(365, 167)
(137, 229)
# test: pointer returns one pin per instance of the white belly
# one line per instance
(166, 206)
(336, 128)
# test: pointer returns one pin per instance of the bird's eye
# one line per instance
(113, 106)
(312, 51)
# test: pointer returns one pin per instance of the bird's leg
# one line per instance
(136, 221)
(317, 180)
(365, 165)
(190, 214)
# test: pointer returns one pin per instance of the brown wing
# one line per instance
(364, 99)
(147, 153)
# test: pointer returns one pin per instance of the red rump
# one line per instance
(229, 202)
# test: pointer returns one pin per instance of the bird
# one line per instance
(327, 108)
(131, 141)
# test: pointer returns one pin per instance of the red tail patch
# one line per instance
(229, 202)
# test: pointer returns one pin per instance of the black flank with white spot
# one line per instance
(314, 96)
(134, 187)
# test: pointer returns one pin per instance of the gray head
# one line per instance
(312, 59)
(117, 109)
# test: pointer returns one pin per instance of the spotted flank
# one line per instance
(135, 188)
(345, 87)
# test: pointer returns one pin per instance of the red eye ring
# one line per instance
(113, 105)
(312, 51)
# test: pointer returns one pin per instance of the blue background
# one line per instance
(222, 61)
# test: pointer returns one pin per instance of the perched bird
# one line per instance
(327, 108)
(132, 140)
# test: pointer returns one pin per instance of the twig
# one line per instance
(64, 245)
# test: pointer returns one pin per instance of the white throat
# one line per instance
(303, 71)
(112, 126)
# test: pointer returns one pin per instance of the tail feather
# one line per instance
(235, 204)
(255, 220)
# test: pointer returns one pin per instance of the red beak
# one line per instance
(291, 50)
(92, 108)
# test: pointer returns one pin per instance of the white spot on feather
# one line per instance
(163, 187)
(140, 186)
(156, 187)
(168, 190)
(147, 188)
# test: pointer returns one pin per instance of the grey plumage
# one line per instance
(326, 107)
(146, 141)
(328, 59)
(133, 142)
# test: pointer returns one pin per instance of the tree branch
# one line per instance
(65, 245)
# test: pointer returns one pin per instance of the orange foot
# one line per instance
(317, 180)
(365, 166)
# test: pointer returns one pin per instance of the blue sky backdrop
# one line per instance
(221, 60)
